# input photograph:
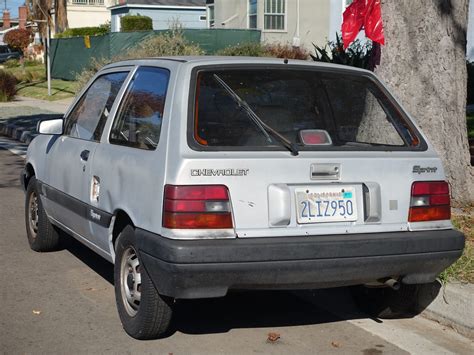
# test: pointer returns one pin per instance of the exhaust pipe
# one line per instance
(392, 283)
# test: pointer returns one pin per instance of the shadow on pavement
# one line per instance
(250, 309)
(94, 261)
(11, 167)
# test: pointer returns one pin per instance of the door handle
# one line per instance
(85, 155)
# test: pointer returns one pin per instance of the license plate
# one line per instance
(325, 204)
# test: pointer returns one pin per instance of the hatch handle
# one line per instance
(326, 171)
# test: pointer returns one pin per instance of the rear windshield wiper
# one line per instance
(266, 129)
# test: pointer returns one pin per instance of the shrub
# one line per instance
(84, 31)
(166, 44)
(11, 63)
(276, 50)
(19, 38)
(287, 51)
(170, 43)
(244, 50)
(7, 86)
(357, 55)
(136, 23)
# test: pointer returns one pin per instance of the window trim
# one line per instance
(285, 19)
(119, 108)
(122, 69)
(194, 145)
(248, 16)
(208, 16)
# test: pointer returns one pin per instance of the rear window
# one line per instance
(349, 109)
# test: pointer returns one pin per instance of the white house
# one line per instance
(298, 22)
(86, 13)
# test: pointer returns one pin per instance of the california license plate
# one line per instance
(325, 204)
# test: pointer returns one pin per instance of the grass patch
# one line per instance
(32, 83)
(60, 89)
(463, 269)
(28, 73)
(470, 125)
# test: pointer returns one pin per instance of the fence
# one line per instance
(70, 56)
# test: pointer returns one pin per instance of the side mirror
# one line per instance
(54, 126)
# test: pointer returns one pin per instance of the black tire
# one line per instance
(150, 316)
(42, 235)
(386, 303)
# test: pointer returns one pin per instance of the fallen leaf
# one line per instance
(335, 344)
(272, 337)
(36, 312)
(91, 289)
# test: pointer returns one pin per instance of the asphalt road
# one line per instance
(63, 302)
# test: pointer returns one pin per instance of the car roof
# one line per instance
(222, 60)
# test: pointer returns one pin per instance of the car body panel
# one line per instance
(261, 183)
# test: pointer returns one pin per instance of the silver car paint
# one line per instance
(263, 202)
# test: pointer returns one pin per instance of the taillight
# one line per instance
(429, 201)
(197, 207)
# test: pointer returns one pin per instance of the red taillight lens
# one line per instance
(430, 188)
(197, 207)
(196, 192)
(429, 201)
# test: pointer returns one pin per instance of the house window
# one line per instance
(274, 15)
(253, 14)
(211, 15)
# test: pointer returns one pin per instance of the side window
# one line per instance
(88, 118)
(138, 122)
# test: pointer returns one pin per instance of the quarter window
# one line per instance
(252, 14)
(274, 14)
(88, 118)
(138, 123)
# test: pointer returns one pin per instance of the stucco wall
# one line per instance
(231, 14)
(314, 23)
(314, 19)
(85, 16)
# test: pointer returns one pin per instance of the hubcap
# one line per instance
(33, 214)
(130, 281)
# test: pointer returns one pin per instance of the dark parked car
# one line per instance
(7, 53)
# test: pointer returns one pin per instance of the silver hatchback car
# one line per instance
(200, 175)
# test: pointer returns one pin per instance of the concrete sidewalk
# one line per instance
(451, 304)
(59, 106)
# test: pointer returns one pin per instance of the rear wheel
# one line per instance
(386, 302)
(144, 313)
(42, 235)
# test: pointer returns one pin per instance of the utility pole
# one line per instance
(48, 58)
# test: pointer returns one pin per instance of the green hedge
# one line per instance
(84, 31)
(136, 23)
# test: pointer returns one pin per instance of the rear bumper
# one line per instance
(209, 268)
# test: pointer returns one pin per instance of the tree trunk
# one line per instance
(60, 13)
(38, 10)
(423, 63)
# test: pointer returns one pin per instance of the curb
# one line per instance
(451, 305)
